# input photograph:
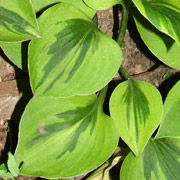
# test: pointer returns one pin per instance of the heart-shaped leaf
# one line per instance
(40, 4)
(73, 57)
(164, 15)
(17, 21)
(170, 126)
(159, 161)
(16, 52)
(137, 108)
(161, 45)
(101, 4)
(72, 135)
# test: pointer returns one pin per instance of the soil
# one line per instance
(137, 60)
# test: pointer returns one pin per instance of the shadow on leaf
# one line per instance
(167, 154)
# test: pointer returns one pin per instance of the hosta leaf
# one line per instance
(163, 14)
(12, 165)
(137, 108)
(170, 126)
(73, 57)
(161, 45)
(40, 4)
(17, 21)
(101, 4)
(159, 161)
(72, 135)
(16, 52)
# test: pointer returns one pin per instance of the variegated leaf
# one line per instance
(163, 14)
(70, 136)
(17, 21)
(159, 161)
(73, 57)
(137, 108)
(160, 44)
(170, 125)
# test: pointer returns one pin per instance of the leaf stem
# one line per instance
(124, 21)
(122, 31)
(123, 72)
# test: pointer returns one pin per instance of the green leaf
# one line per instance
(164, 15)
(17, 21)
(16, 52)
(137, 108)
(40, 4)
(72, 135)
(170, 125)
(12, 165)
(101, 4)
(73, 57)
(161, 45)
(3, 167)
(6, 175)
(3, 170)
(159, 161)
(82, 6)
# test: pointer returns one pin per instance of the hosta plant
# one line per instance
(64, 131)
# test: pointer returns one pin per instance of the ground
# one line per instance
(137, 60)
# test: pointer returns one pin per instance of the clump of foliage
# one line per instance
(64, 131)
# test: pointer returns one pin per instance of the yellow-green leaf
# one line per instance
(69, 136)
(73, 57)
(170, 125)
(12, 165)
(17, 53)
(137, 108)
(101, 4)
(163, 14)
(40, 4)
(17, 21)
(160, 44)
(159, 161)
